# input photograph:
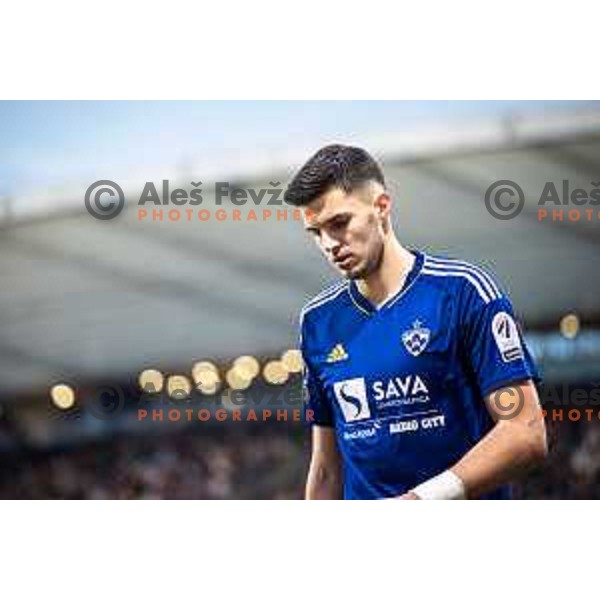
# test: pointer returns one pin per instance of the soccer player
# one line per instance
(419, 383)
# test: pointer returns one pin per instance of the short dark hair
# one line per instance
(334, 166)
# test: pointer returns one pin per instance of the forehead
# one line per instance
(328, 205)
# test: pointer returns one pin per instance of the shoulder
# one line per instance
(324, 302)
(466, 278)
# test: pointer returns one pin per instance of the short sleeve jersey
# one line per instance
(404, 384)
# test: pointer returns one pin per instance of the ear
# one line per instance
(383, 205)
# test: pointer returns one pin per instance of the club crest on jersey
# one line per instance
(416, 338)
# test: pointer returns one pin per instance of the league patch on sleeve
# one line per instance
(506, 335)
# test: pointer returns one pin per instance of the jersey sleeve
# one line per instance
(492, 341)
(317, 408)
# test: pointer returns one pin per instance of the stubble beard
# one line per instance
(371, 265)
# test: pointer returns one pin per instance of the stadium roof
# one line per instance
(84, 299)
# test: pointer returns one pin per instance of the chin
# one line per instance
(357, 272)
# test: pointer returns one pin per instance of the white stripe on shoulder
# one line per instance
(323, 300)
(326, 292)
(487, 279)
(484, 279)
(465, 274)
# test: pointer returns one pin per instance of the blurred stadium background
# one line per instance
(91, 305)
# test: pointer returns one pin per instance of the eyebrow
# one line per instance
(332, 218)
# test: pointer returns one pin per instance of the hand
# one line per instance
(409, 496)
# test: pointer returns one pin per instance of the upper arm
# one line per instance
(517, 407)
(492, 342)
(316, 399)
(325, 471)
(518, 402)
(502, 365)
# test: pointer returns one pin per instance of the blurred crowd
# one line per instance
(572, 470)
(247, 463)
(208, 465)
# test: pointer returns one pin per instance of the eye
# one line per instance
(340, 222)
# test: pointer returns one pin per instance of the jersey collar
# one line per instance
(365, 305)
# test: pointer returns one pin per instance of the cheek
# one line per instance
(365, 233)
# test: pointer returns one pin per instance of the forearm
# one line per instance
(323, 482)
(505, 452)
(511, 446)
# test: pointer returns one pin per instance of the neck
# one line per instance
(388, 278)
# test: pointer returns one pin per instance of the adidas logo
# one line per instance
(337, 354)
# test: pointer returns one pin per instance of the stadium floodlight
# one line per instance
(275, 373)
(238, 378)
(179, 387)
(569, 326)
(247, 364)
(207, 381)
(63, 396)
(292, 360)
(151, 381)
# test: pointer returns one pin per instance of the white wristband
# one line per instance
(446, 486)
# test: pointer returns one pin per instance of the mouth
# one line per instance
(344, 262)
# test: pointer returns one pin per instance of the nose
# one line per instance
(329, 244)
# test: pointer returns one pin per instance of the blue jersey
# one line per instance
(403, 384)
